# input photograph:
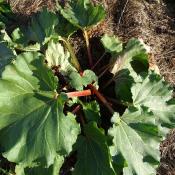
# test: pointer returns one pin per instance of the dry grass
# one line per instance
(27, 7)
(167, 148)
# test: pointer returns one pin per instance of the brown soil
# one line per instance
(150, 20)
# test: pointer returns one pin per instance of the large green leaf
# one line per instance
(6, 15)
(64, 27)
(92, 111)
(33, 125)
(21, 42)
(83, 14)
(126, 68)
(36, 170)
(18, 41)
(93, 153)
(123, 83)
(133, 49)
(128, 143)
(144, 123)
(57, 56)
(38, 32)
(42, 27)
(78, 81)
(112, 44)
(6, 56)
(154, 93)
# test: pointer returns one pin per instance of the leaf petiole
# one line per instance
(101, 98)
(86, 37)
(79, 93)
(74, 59)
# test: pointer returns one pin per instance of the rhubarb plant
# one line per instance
(56, 118)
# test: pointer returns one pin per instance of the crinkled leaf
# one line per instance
(92, 111)
(36, 170)
(128, 171)
(138, 115)
(6, 15)
(144, 123)
(112, 44)
(154, 93)
(83, 14)
(140, 63)
(93, 153)
(123, 84)
(118, 164)
(18, 36)
(64, 27)
(40, 30)
(18, 41)
(133, 49)
(42, 27)
(30, 108)
(88, 77)
(4, 37)
(2, 25)
(128, 143)
(21, 42)
(124, 80)
(6, 56)
(78, 82)
(132, 61)
(57, 56)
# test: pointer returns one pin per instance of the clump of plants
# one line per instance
(51, 109)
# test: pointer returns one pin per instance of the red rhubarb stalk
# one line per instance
(79, 93)
(76, 109)
(101, 98)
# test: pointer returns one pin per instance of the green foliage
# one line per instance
(30, 110)
(92, 111)
(6, 15)
(6, 56)
(128, 143)
(56, 56)
(112, 44)
(39, 70)
(36, 170)
(82, 13)
(155, 94)
(126, 64)
(78, 81)
(64, 27)
(93, 149)
(42, 27)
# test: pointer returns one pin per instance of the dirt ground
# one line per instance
(151, 20)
